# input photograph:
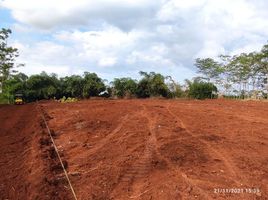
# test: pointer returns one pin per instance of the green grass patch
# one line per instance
(4, 99)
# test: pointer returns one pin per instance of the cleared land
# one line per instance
(135, 149)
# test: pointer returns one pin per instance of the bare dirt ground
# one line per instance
(136, 149)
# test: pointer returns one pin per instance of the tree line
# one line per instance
(45, 86)
(243, 75)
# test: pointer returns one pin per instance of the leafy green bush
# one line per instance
(202, 90)
(152, 85)
(72, 86)
(3, 99)
(124, 86)
(92, 85)
(42, 86)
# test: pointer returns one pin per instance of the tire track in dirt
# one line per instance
(144, 165)
(100, 144)
(139, 169)
(190, 182)
(230, 166)
(106, 139)
(142, 168)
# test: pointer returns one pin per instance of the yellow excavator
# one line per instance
(19, 99)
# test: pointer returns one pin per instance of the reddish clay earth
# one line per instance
(135, 149)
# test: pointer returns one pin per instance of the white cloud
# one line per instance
(36, 68)
(210, 49)
(247, 48)
(178, 8)
(48, 14)
(113, 37)
(105, 62)
(102, 48)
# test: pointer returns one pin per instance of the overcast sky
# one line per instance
(120, 38)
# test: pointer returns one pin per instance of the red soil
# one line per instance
(135, 149)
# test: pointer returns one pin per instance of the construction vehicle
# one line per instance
(19, 99)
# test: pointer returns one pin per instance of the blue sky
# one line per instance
(120, 38)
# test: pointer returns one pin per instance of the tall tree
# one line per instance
(210, 68)
(152, 84)
(42, 86)
(93, 85)
(72, 86)
(8, 56)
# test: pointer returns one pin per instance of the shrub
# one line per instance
(68, 100)
(202, 90)
(124, 87)
(152, 85)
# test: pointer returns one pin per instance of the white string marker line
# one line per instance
(56, 149)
